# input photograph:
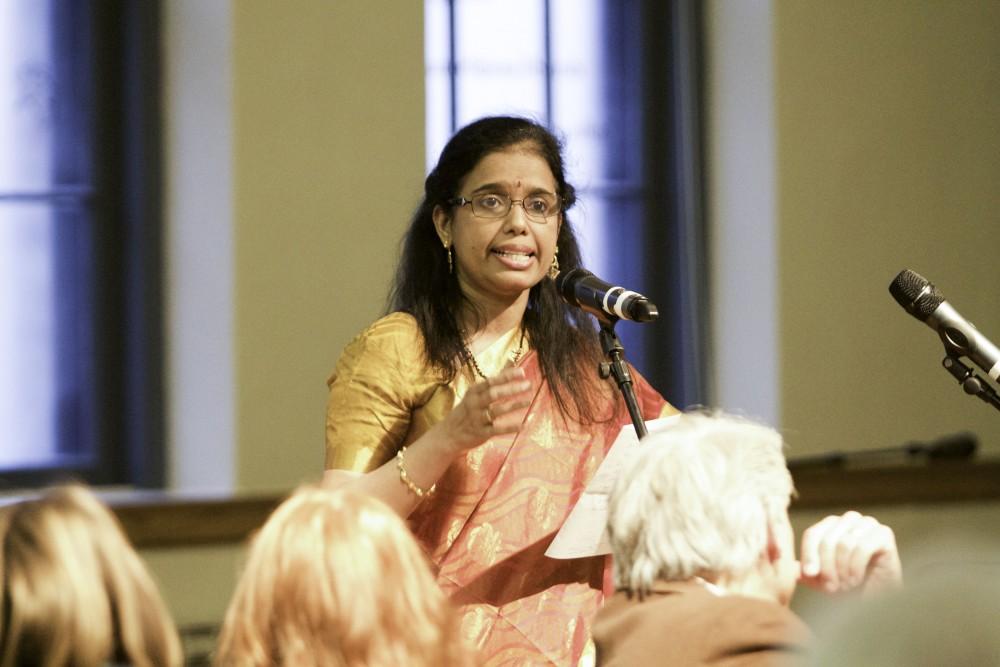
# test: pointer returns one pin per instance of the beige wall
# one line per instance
(328, 149)
(196, 582)
(295, 147)
(888, 157)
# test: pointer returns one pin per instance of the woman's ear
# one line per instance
(442, 224)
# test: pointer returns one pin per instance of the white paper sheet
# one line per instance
(582, 533)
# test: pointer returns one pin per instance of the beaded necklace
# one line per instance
(515, 356)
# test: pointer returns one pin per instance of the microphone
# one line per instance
(581, 288)
(922, 300)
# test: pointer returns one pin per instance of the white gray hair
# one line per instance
(696, 499)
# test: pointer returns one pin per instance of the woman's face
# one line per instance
(499, 259)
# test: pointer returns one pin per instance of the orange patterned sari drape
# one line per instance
(495, 512)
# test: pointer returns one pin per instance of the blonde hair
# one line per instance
(74, 590)
(336, 578)
(696, 499)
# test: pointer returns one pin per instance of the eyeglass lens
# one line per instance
(537, 207)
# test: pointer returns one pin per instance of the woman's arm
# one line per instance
(489, 408)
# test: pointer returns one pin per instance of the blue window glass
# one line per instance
(45, 240)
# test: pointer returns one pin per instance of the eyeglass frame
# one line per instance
(462, 201)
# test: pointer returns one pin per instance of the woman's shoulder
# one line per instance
(397, 327)
(390, 342)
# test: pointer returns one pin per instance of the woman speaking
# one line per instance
(474, 407)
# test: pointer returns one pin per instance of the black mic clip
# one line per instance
(972, 383)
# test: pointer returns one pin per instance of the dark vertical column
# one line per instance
(547, 64)
(675, 230)
(141, 228)
(108, 248)
(452, 69)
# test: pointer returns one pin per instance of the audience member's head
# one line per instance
(336, 578)
(74, 590)
(704, 552)
(707, 497)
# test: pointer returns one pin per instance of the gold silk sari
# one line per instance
(496, 508)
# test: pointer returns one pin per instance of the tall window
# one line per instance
(78, 256)
(618, 82)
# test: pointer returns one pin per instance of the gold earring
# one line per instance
(554, 269)
(451, 265)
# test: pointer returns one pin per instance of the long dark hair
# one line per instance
(565, 338)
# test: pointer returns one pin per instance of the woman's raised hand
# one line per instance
(492, 407)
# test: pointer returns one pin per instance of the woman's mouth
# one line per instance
(515, 259)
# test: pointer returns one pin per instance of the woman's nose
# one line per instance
(517, 217)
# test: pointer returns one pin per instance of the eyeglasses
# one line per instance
(540, 207)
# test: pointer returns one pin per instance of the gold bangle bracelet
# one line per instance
(405, 479)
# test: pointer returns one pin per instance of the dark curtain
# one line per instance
(655, 91)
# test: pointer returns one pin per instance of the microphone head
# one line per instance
(915, 294)
(644, 311)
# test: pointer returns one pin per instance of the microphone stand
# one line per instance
(972, 384)
(616, 366)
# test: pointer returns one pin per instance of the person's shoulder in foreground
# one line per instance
(717, 629)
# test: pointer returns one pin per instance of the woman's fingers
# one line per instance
(494, 391)
(508, 415)
(505, 395)
(492, 407)
(503, 380)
